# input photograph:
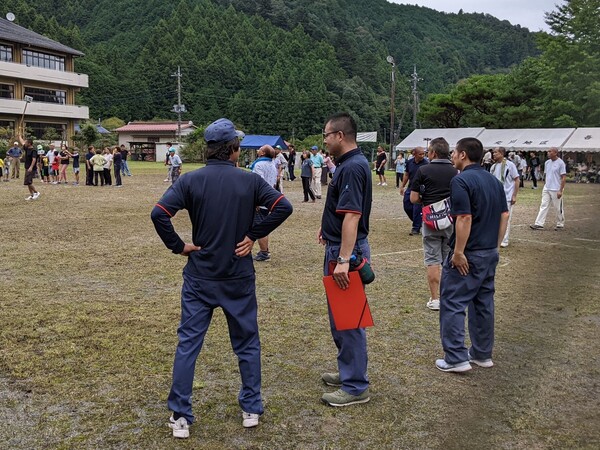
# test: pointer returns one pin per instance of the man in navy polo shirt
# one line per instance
(413, 211)
(344, 230)
(221, 201)
(479, 205)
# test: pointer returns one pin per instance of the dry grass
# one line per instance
(90, 304)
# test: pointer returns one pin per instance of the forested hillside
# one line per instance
(272, 66)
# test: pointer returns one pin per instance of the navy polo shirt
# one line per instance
(411, 169)
(221, 201)
(350, 191)
(477, 193)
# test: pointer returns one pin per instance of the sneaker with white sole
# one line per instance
(29, 198)
(249, 420)
(342, 398)
(442, 365)
(504, 245)
(262, 256)
(180, 427)
(331, 379)
(35, 196)
(481, 362)
(384, 184)
(434, 305)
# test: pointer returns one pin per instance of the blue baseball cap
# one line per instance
(314, 147)
(222, 130)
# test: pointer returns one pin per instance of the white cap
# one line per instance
(16, 143)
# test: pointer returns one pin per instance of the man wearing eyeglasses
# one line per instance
(317, 160)
(344, 230)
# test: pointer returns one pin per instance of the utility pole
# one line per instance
(415, 94)
(390, 59)
(178, 108)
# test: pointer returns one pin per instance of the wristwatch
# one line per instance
(341, 260)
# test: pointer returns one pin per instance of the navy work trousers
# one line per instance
(199, 297)
(351, 344)
(476, 292)
(413, 211)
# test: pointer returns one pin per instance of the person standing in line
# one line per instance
(55, 167)
(552, 194)
(76, 168)
(264, 167)
(124, 166)
(380, 163)
(413, 211)
(431, 184)
(400, 167)
(117, 165)
(344, 231)
(292, 162)
(15, 154)
(317, 160)
(30, 163)
(479, 205)
(89, 167)
(64, 164)
(6, 171)
(108, 159)
(534, 169)
(97, 162)
(219, 272)
(306, 173)
(176, 165)
(508, 175)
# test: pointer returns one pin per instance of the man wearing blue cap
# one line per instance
(221, 201)
(317, 160)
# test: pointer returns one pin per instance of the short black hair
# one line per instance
(472, 147)
(501, 149)
(343, 122)
(440, 147)
(222, 150)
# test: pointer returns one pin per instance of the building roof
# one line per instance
(142, 127)
(12, 32)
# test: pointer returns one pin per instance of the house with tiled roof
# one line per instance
(38, 84)
(147, 140)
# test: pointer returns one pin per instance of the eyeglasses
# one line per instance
(331, 132)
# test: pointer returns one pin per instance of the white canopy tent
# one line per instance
(526, 139)
(422, 137)
(583, 140)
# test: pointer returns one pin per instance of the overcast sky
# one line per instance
(527, 13)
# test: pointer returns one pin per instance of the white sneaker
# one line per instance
(481, 362)
(504, 245)
(378, 184)
(29, 198)
(166, 180)
(434, 305)
(384, 184)
(249, 420)
(35, 195)
(181, 429)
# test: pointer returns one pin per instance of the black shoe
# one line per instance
(536, 227)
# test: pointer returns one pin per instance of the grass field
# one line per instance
(89, 304)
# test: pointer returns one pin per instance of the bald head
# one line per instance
(266, 150)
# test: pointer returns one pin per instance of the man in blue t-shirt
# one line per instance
(344, 230)
(481, 215)
(413, 211)
(221, 200)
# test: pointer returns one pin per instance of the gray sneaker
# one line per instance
(442, 365)
(262, 256)
(331, 379)
(342, 398)
(481, 362)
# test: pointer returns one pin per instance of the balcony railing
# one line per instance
(16, 107)
(25, 72)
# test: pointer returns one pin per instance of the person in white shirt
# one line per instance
(522, 168)
(487, 160)
(508, 175)
(556, 176)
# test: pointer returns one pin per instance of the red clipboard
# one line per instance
(349, 308)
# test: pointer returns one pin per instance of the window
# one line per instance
(45, 60)
(46, 131)
(7, 91)
(6, 53)
(153, 139)
(47, 95)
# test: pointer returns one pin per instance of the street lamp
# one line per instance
(390, 60)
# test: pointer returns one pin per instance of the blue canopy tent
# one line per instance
(256, 141)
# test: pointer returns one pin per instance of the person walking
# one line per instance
(508, 175)
(400, 167)
(552, 194)
(431, 185)
(30, 164)
(534, 169)
(380, 163)
(479, 205)
(413, 211)
(344, 231)
(176, 165)
(264, 167)
(219, 272)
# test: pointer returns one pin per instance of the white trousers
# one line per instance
(510, 210)
(551, 198)
(315, 184)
